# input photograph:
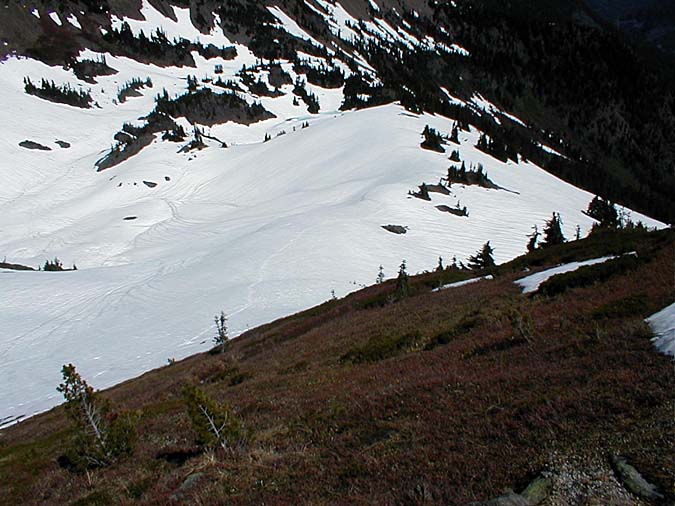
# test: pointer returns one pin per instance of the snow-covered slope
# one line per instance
(663, 326)
(163, 241)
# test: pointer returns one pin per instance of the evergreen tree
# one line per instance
(100, 436)
(432, 140)
(221, 339)
(439, 267)
(534, 237)
(604, 212)
(380, 276)
(454, 135)
(402, 288)
(482, 259)
(553, 232)
(214, 423)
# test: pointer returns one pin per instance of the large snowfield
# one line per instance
(258, 230)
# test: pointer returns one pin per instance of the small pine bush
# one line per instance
(101, 436)
(214, 424)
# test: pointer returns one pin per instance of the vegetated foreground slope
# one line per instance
(128, 176)
(438, 398)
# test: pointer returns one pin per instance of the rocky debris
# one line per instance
(150, 184)
(129, 218)
(509, 499)
(535, 493)
(585, 481)
(187, 485)
(395, 229)
(63, 144)
(34, 145)
(633, 480)
(538, 490)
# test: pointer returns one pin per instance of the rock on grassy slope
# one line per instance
(443, 397)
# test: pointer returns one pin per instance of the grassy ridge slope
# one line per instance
(440, 398)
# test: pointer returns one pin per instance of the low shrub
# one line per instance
(380, 348)
(589, 275)
(633, 305)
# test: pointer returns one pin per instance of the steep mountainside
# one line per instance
(193, 157)
(440, 397)
(649, 20)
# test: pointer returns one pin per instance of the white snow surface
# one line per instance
(258, 230)
(663, 326)
(55, 18)
(532, 283)
(73, 21)
(457, 284)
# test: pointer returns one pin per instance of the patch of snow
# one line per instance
(550, 150)
(463, 283)
(35, 13)
(73, 21)
(663, 326)
(55, 18)
(452, 99)
(532, 283)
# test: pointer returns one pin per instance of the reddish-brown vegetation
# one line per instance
(460, 412)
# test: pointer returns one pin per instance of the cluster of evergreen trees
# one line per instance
(472, 176)
(604, 212)
(433, 140)
(87, 69)
(323, 75)
(131, 87)
(307, 96)
(208, 108)
(64, 94)
(496, 148)
(157, 48)
(552, 234)
(359, 92)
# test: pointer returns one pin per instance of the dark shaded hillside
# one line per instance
(651, 21)
(612, 109)
(439, 398)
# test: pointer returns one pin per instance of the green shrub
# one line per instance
(503, 345)
(215, 424)
(589, 275)
(634, 305)
(466, 324)
(379, 348)
(101, 436)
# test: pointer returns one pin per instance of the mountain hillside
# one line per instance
(258, 159)
(435, 397)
